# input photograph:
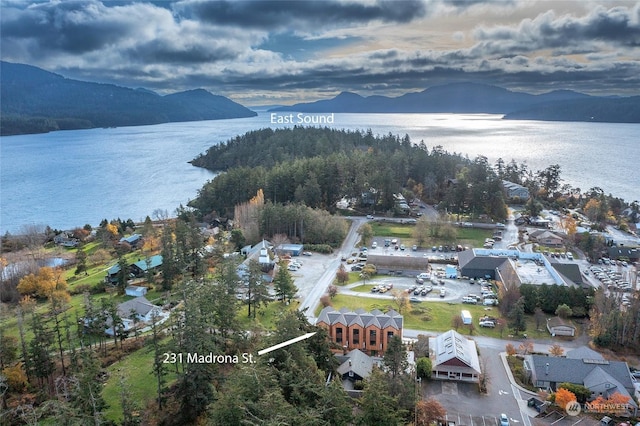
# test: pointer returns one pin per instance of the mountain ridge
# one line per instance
(470, 97)
(36, 101)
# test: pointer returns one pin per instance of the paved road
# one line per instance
(311, 299)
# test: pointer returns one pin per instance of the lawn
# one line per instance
(394, 230)
(473, 237)
(135, 368)
(266, 317)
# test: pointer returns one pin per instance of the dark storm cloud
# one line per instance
(618, 26)
(75, 26)
(157, 51)
(306, 15)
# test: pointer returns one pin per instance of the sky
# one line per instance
(282, 52)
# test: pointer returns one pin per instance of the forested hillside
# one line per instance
(37, 101)
(320, 166)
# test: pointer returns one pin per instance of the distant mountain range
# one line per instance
(36, 101)
(558, 105)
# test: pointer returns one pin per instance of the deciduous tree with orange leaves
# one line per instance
(563, 397)
(48, 282)
(556, 350)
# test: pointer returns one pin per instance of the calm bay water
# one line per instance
(70, 178)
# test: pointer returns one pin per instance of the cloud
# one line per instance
(302, 15)
(617, 26)
(306, 48)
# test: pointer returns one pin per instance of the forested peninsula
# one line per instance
(318, 167)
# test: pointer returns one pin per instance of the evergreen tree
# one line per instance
(123, 274)
(258, 293)
(40, 361)
(377, 406)
(159, 367)
(283, 284)
(170, 269)
(517, 320)
(194, 387)
(395, 357)
(225, 306)
(86, 396)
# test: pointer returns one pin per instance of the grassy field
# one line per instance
(136, 368)
(473, 237)
(267, 317)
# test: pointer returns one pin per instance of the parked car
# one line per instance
(307, 253)
(374, 245)
(470, 300)
(487, 323)
(423, 275)
(504, 420)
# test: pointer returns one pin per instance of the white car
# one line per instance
(488, 324)
(423, 276)
(374, 245)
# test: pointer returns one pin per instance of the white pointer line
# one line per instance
(287, 343)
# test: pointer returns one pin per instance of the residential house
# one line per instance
(546, 238)
(584, 367)
(514, 190)
(367, 331)
(138, 269)
(356, 365)
(454, 357)
(141, 267)
(138, 310)
(134, 240)
(65, 240)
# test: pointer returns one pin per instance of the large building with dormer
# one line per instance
(369, 332)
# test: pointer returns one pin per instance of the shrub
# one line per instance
(319, 248)
(423, 368)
